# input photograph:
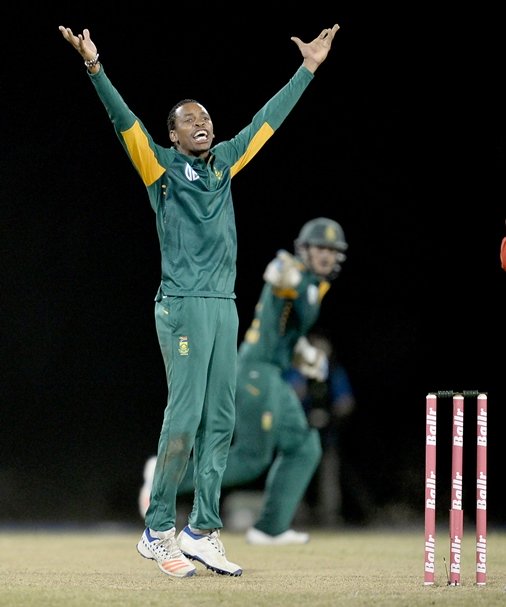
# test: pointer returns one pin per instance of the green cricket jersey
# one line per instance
(192, 197)
(281, 317)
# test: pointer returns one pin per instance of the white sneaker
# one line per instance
(208, 549)
(161, 546)
(259, 538)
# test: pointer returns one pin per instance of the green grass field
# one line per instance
(345, 567)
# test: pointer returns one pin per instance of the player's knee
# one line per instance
(253, 468)
(311, 448)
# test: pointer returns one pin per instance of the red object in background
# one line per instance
(503, 253)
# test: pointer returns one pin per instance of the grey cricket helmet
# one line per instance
(322, 232)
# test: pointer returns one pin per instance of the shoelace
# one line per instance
(214, 538)
(168, 547)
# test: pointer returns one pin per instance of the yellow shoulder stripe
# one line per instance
(263, 134)
(142, 155)
(323, 288)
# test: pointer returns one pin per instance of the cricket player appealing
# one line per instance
(189, 188)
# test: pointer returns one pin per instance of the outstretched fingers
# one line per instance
(69, 36)
(329, 31)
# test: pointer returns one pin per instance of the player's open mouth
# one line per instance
(201, 136)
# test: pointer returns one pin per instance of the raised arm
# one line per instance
(84, 45)
(315, 52)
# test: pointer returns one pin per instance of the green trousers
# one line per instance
(198, 340)
(271, 433)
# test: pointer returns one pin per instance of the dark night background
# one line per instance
(400, 137)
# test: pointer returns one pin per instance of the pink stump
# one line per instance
(430, 489)
(481, 491)
(456, 510)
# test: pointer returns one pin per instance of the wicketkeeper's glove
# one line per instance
(284, 271)
(310, 361)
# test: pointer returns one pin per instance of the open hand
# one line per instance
(82, 42)
(315, 52)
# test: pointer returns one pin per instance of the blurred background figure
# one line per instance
(335, 494)
(145, 491)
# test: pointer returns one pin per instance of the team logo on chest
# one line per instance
(312, 294)
(190, 174)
